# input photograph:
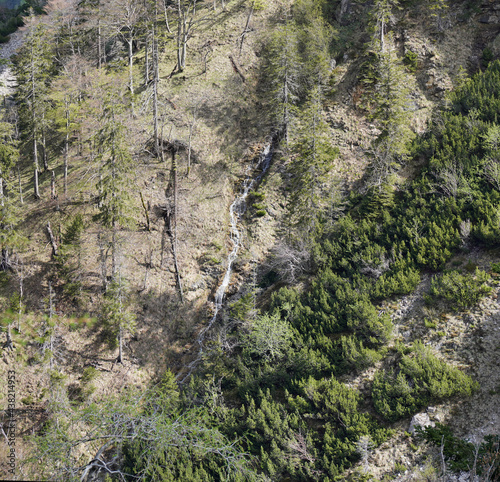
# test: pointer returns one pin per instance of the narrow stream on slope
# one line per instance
(236, 211)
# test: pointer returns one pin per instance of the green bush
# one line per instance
(418, 379)
(257, 195)
(429, 324)
(398, 282)
(258, 206)
(460, 454)
(352, 355)
(487, 56)
(411, 61)
(89, 374)
(464, 290)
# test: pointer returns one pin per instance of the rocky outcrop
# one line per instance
(420, 420)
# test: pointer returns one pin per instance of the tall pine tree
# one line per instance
(282, 71)
(33, 68)
(311, 165)
(114, 185)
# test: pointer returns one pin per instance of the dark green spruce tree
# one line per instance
(310, 165)
(114, 213)
(33, 68)
(282, 71)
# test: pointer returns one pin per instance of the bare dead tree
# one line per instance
(237, 68)
(186, 11)
(165, 12)
(288, 261)
(247, 28)
(146, 211)
(103, 259)
(52, 239)
(299, 448)
(363, 447)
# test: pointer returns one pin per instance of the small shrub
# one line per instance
(217, 245)
(419, 378)
(495, 267)
(470, 267)
(460, 454)
(429, 324)
(352, 355)
(257, 195)
(210, 259)
(260, 213)
(27, 400)
(487, 56)
(411, 61)
(89, 374)
(87, 388)
(464, 290)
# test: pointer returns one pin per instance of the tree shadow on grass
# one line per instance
(237, 116)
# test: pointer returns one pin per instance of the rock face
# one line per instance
(495, 46)
(488, 19)
(7, 79)
(420, 419)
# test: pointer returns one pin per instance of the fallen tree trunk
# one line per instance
(237, 68)
(52, 239)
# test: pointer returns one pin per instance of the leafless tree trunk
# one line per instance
(19, 268)
(99, 39)
(120, 345)
(103, 257)
(174, 228)
(9, 344)
(344, 7)
(21, 199)
(146, 211)
(186, 10)
(53, 194)
(155, 83)
(149, 265)
(37, 192)
(146, 60)
(66, 146)
(247, 28)
(52, 239)
(1, 190)
(45, 156)
(167, 26)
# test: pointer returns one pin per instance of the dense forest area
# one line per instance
(295, 171)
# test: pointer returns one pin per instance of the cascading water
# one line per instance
(236, 210)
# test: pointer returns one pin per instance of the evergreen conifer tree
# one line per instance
(282, 72)
(391, 111)
(114, 184)
(9, 211)
(388, 97)
(33, 67)
(311, 164)
(116, 315)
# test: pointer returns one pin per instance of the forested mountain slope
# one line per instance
(163, 319)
